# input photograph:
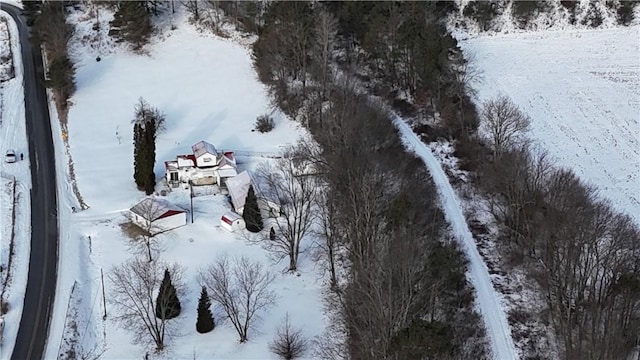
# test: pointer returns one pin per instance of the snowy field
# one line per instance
(209, 91)
(13, 136)
(582, 91)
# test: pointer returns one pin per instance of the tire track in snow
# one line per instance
(494, 318)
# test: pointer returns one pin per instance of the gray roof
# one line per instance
(203, 147)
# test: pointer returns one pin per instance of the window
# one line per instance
(207, 159)
(174, 176)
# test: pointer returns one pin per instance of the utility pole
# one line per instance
(104, 298)
(191, 191)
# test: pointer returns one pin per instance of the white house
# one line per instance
(239, 188)
(206, 166)
(156, 216)
(231, 221)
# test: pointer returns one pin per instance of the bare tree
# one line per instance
(192, 8)
(289, 342)
(145, 113)
(241, 289)
(133, 288)
(292, 183)
(463, 74)
(145, 216)
(505, 123)
(327, 243)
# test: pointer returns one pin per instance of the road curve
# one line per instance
(41, 285)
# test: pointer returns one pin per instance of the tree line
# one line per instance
(50, 28)
(407, 296)
(583, 254)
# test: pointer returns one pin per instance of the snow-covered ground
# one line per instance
(209, 91)
(13, 136)
(582, 91)
(488, 300)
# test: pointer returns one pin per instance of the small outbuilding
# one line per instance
(231, 221)
(155, 216)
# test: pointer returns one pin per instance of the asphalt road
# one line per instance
(41, 285)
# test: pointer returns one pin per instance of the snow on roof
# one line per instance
(230, 217)
(225, 161)
(153, 209)
(238, 187)
(227, 173)
(187, 160)
(202, 148)
(171, 165)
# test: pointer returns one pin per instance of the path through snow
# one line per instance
(489, 304)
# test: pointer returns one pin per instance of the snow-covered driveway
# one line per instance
(489, 305)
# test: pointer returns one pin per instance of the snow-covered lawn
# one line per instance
(209, 91)
(13, 136)
(582, 90)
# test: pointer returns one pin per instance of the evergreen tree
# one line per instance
(167, 302)
(31, 10)
(60, 76)
(149, 157)
(205, 322)
(138, 148)
(145, 126)
(251, 212)
(131, 23)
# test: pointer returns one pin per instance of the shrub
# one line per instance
(289, 343)
(265, 123)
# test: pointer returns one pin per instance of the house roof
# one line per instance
(203, 147)
(153, 209)
(230, 217)
(187, 160)
(238, 187)
(227, 173)
(171, 165)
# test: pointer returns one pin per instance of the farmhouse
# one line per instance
(155, 216)
(239, 188)
(205, 166)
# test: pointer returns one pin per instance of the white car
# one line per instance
(10, 157)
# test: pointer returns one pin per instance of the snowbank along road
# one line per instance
(41, 285)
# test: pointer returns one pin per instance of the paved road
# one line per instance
(41, 286)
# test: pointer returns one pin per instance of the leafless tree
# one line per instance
(146, 113)
(505, 123)
(462, 76)
(147, 213)
(242, 289)
(54, 30)
(328, 236)
(133, 290)
(292, 183)
(193, 8)
(289, 343)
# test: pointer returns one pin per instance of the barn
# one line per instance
(156, 216)
(231, 221)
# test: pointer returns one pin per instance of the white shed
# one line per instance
(231, 221)
(157, 216)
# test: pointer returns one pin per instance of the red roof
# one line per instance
(227, 220)
(170, 213)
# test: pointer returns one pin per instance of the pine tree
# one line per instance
(31, 10)
(149, 157)
(205, 322)
(145, 126)
(251, 212)
(167, 302)
(131, 23)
